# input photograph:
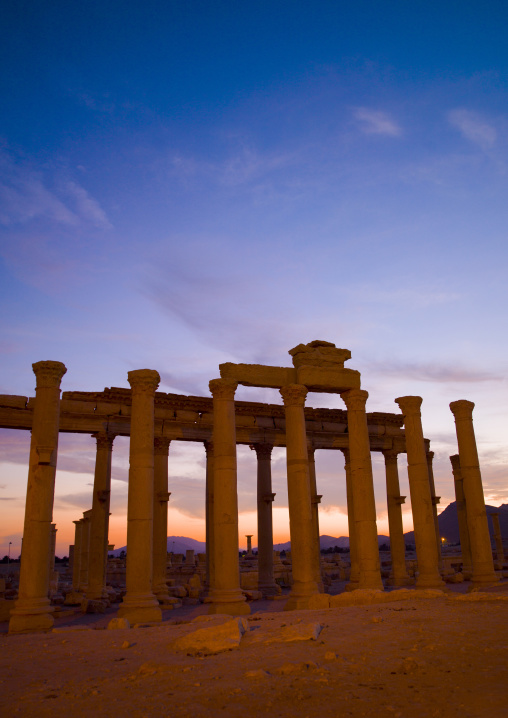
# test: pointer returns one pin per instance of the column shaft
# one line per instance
(364, 501)
(33, 610)
(301, 527)
(139, 603)
(498, 539)
(266, 582)
(481, 550)
(160, 519)
(435, 501)
(419, 488)
(99, 520)
(398, 575)
(209, 517)
(315, 499)
(85, 550)
(225, 595)
(354, 577)
(465, 542)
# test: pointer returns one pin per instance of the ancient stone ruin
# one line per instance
(154, 419)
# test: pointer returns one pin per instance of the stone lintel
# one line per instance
(328, 379)
(273, 377)
(316, 378)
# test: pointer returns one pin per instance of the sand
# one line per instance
(445, 656)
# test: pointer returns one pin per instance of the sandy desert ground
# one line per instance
(422, 656)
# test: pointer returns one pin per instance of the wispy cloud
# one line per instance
(377, 122)
(473, 127)
(417, 297)
(439, 373)
(28, 193)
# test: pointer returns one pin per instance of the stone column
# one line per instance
(481, 550)
(139, 603)
(74, 597)
(160, 519)
(210, 544)
(53, 585)
(265, 497)
(364, 502)
(465, 542)
(99, 524)
(315, 500)
(498, 539)
(354, 576)
(421, 500)
(398, 575)
(435, 501)
(301, 527)
(85, 550)
(33, 610)
(249, 544)
(225, 595)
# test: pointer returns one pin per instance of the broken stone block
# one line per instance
(319, 600)
(118, 623)
(214, 639)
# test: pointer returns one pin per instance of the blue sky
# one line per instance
(186, 183)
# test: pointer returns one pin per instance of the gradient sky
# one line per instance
(188, 183)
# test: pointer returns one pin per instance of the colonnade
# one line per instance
(148, 496)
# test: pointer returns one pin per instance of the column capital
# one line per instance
(355, 399)
(455, 462)
(144, 381)
(223, 388)
(462, 409)
(48, 374)
(104, 439)
(390, 456)
(161, 445)
(409, 405)
(263, 450)
(293, 395)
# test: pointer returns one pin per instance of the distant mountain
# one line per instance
(449, 523)
(175, 544)
(326, 542)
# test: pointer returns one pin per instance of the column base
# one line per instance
(372, 580)
(352, 586)
(269, 589)
(31, 615)
(140, 608)
(231, 602)
(74, 598)
(484, 579)
(400, 581)
(300, 595)
(430, 581)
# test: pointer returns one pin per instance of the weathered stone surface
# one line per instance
(319, 353)
(328, 379)
(288, 669)
(214, 639)
(319, 600)
(287, 634)
(258, 375)
(118, 623)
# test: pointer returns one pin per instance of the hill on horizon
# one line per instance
(447, 519)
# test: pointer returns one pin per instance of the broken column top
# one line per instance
(319, 353)
(319, 366)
